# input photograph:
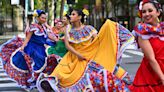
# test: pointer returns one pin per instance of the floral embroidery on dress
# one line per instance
(125, 38)
(95, 79)
(38, 30)
(81, 35)
(146, 31)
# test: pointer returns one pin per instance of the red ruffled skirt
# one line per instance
(146, 80)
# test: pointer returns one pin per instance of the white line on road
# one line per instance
(9, 85)
(2, 70)
(13, 91)
(3, 74)
(5, 79)
(125, 56)
(135, 52)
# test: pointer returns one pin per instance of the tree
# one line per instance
(62, 8)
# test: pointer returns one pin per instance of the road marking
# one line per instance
(13, 84)
(3, 74)
(12, 91)
(1, 70)
(5, 79)
(126, 56)
(135, 52)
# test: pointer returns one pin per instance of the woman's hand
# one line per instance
(48, 26)
(22, 48)
(80, 57)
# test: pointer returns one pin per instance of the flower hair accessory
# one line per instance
(140, 9)
(64, 13)
(145, 1)
(86, 12)
(37, 12)
(57, 20)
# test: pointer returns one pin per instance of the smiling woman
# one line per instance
(150, 37)
(25, 60)
(150, 13)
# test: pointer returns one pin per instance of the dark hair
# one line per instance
(42, 12)
(80, 13)
(67, 16)
(156, 4)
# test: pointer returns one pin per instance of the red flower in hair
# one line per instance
(140, 7)
(145, 1)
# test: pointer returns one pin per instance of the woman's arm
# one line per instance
(50, 33)
(48, 26)
(70, 48)
(28, 37)
(52, 37)
(149, 53)
(27, 26)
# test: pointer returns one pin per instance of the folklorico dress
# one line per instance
(102, 72)
(146, 80)
(25, 66)
(59, 48)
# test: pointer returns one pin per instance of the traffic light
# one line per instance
(70, 1)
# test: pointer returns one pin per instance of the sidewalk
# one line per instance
(9, 35)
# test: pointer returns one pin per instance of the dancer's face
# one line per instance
(150, 13)
(59, 25)
(42, 18)
(65, 20)
(75, 17)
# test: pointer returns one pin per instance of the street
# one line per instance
(131, 62)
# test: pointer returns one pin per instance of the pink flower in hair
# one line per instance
(57, 20)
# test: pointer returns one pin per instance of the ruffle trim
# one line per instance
(94, 76)
(81, 81)
(148, 36)
(80, 84)
(38, 30)
(82, 35)
(21, 70)
(125, 38)
(147, 29)
(26, 71)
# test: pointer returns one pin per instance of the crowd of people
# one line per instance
(75, 57)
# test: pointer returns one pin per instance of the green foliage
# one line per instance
(80, 4)
(5, 7)
(39, 4)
